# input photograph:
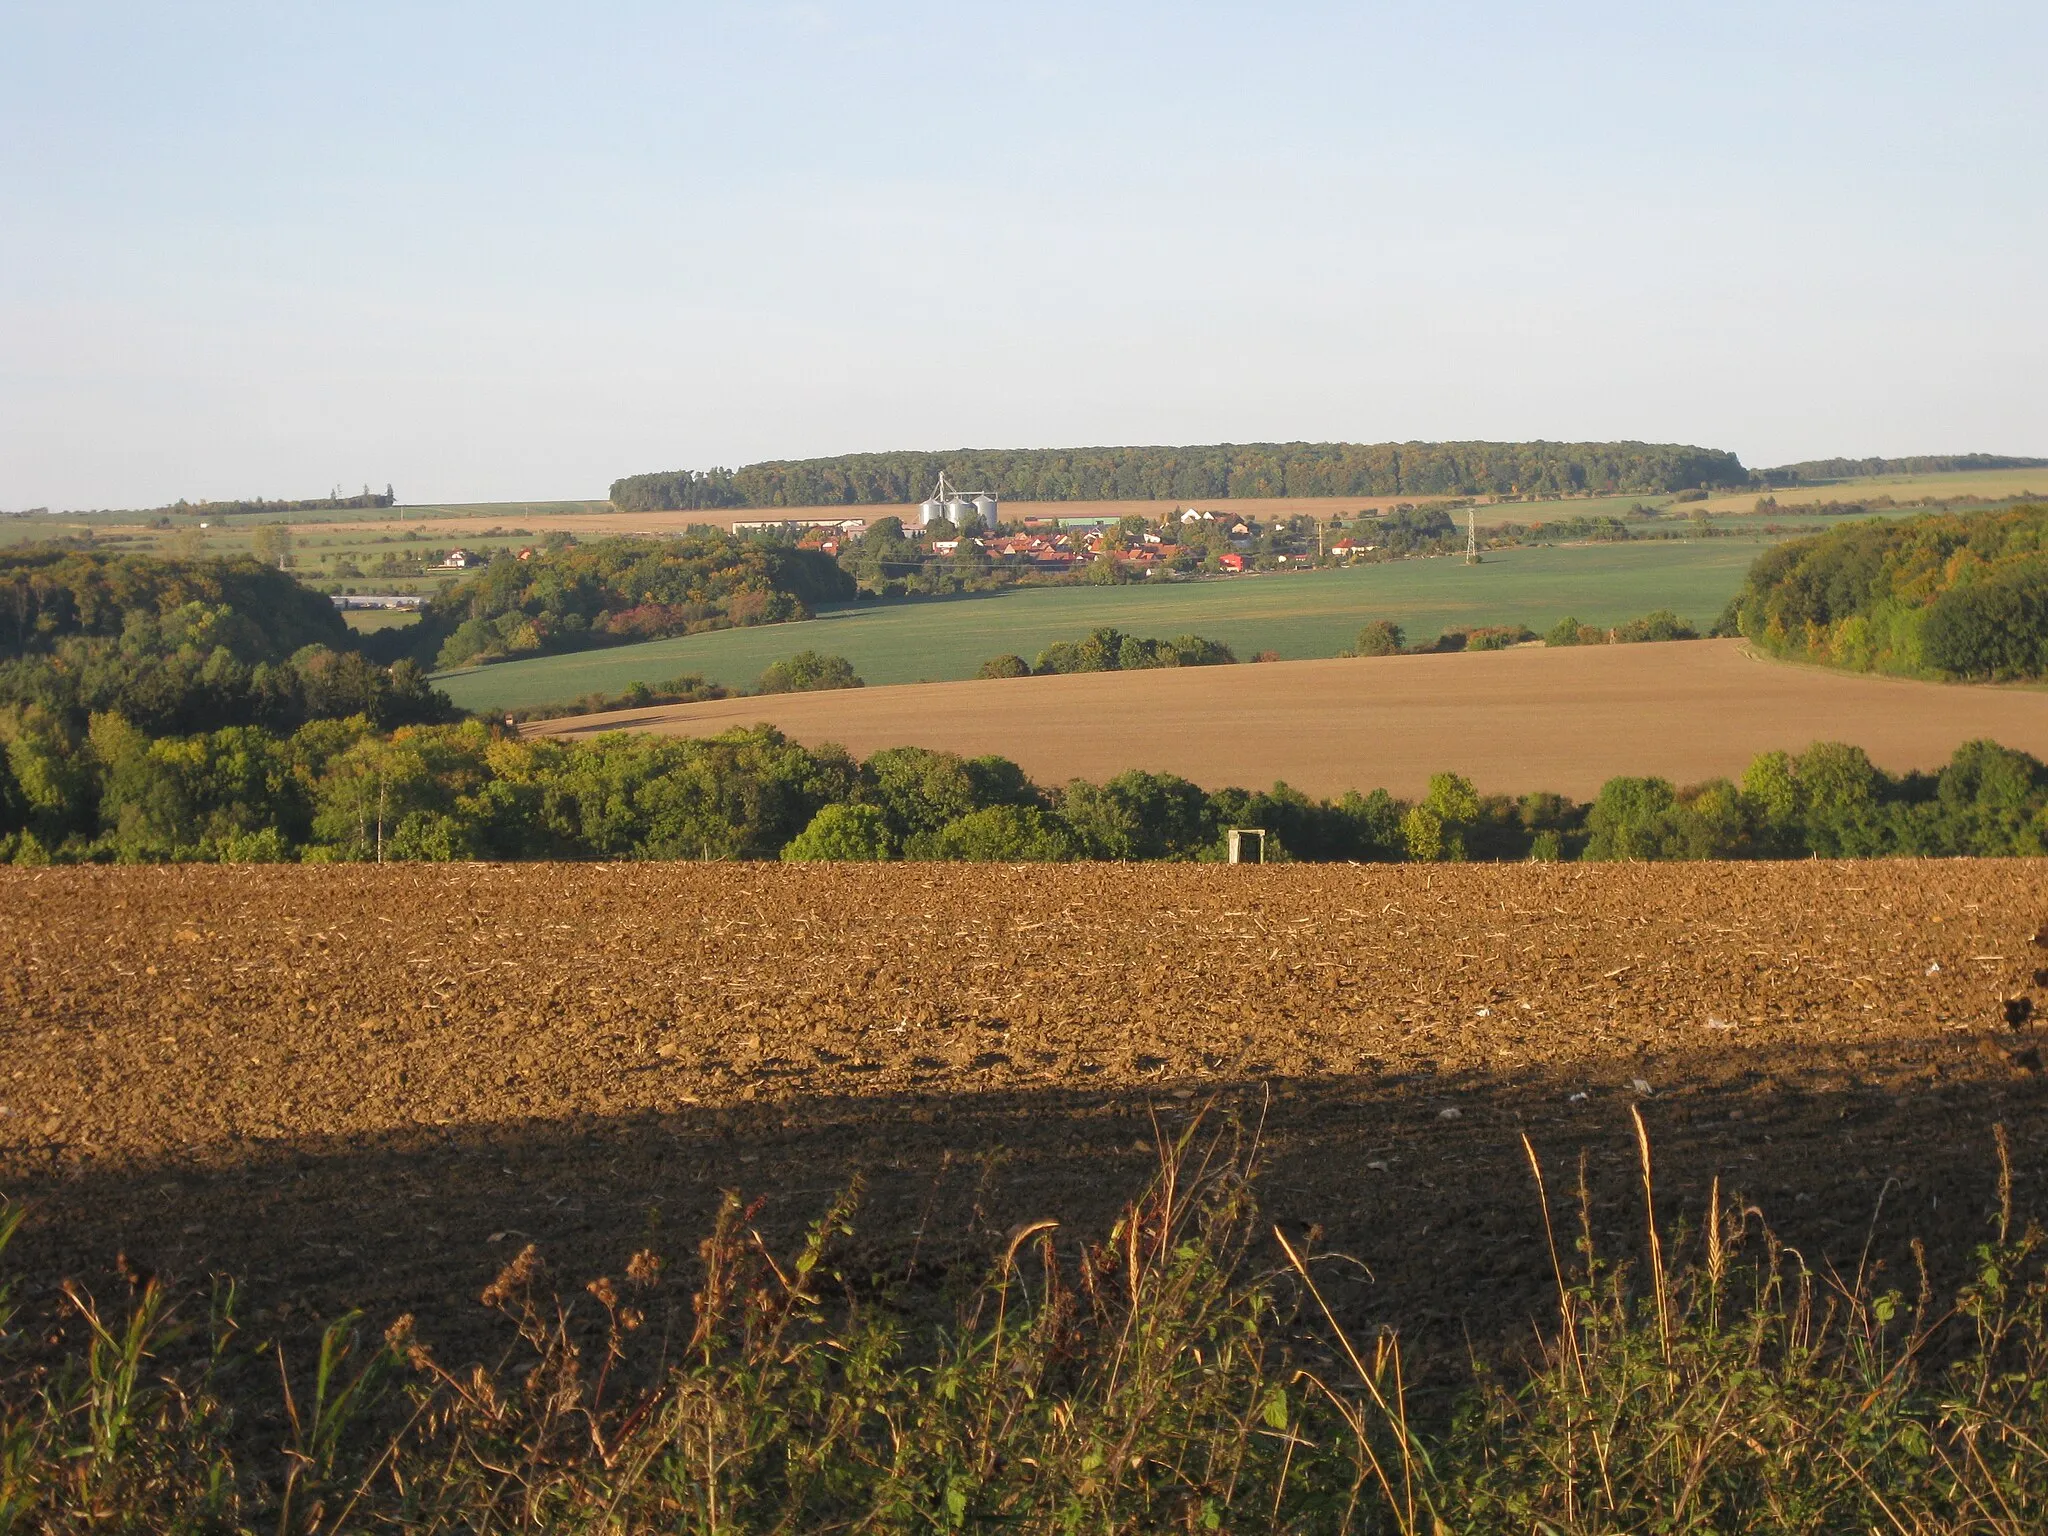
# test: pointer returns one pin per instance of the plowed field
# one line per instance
(367, 1086)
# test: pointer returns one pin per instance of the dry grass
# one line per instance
(1178, 1373)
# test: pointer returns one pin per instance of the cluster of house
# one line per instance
(469, 560)
(1053, 551)
(1047, 546)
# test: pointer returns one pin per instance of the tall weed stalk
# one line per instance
(1180, 1371)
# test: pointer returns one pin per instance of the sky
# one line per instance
(512, 251)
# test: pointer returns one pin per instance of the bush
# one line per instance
(842, 834)
(1645, 818)
(1003, 834)
(1569, 631)
(1005, 666)
(1111, 650)
(1139, 815)
(1382, 637)
(1660, 625)
(1496, 637)
(808, 672)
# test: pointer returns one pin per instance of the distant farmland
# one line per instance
(1315, 614)
(1513, 721)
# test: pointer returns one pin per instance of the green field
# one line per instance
(1313, 614)
(367, 621)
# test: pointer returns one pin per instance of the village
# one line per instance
(893, 556)
(1184, 542)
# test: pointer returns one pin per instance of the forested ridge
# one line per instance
(1945, 595)
(1918, 464)
(179, 646)
(1214, 472)
(254, 506)
(47, 595)
(572, 596)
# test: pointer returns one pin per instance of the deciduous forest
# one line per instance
(1207, 473)
(1940, 595)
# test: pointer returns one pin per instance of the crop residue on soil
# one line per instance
(364, 1085)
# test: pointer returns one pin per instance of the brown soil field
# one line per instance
(606, 521)
(1564, 720)
(369, 1086)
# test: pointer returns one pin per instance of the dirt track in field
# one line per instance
(1532, 718)
(364, 1086)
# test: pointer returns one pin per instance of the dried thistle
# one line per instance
(514, 1278)
(402, 1341)
(644, 1269)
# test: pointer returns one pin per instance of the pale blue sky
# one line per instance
(489, 251)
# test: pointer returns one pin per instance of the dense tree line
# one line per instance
(176, 647)
(366, 500)
(572, 596)
(1212, 472)
(1920, 464)
(48, 595)
(1945, 595)
(342, 790)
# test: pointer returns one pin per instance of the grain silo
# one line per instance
(967, 511)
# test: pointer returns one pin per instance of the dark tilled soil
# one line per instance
(369, 1086)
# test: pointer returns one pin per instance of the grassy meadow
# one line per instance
(1313, 614)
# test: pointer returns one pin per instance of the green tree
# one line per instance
(918, 790)
(842, 834)
(1422, 835)
(1569, 631)
(1006, 834)
(1990, 801)
(272, 544)
(1660, 625)
(1005, 666)
(808, 672)
(1630, 819)
(1645, 818)
(1435, 829)
(1381, 637)
(1139, 815)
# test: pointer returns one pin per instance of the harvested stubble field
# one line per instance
(1532, 718)
(368, 1086)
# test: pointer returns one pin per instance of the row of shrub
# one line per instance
(1111, 650)
(342, 789)
(1383, 637)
